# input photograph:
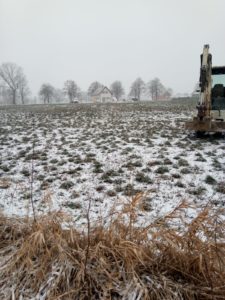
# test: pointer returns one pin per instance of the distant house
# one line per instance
(102, 95)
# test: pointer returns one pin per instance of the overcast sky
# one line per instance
(107, 40)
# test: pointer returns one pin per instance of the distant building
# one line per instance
(182, 95)
(102, 95)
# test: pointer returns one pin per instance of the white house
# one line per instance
(102, 95)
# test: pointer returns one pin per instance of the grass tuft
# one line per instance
(45, 260)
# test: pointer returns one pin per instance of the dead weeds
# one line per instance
(48, 260)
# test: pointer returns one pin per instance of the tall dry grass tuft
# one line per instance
(161, 261)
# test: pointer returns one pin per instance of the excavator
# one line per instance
(210, 115)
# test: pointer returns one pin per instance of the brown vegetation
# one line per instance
(168, 259)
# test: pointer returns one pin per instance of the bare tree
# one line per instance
(157, 90)
(93, 87)
(11, 74)
(71, 89)
(46, 92)
(23, 88)
(117, 89)
(168, 93)
(137, 88)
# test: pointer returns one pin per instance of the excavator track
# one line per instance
(205, 125)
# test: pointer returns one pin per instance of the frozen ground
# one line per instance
(105, 154)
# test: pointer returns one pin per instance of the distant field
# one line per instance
(106, 153)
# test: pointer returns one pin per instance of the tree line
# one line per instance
(14, 88)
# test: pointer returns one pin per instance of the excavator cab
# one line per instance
(210, 115)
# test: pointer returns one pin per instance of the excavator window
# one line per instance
(218, 79)
(218, 92)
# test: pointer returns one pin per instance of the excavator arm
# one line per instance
(205, 83)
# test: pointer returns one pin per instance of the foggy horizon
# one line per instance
(85, 41)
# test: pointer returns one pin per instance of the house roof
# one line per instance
(100, 90)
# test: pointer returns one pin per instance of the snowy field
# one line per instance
(103, 155)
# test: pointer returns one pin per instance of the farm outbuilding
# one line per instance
(102, 95)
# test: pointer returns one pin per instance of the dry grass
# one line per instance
(168, 259)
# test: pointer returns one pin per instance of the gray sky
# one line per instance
(106, 40)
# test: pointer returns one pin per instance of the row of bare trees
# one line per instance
(72, 91)
(48, 92)
(15, 83)
(154, 88)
